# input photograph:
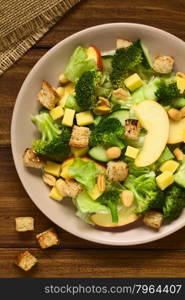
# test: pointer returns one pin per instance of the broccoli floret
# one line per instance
(174, 202)
(178, 102)
(138, 171)
(54, 140)
(124, 62)
(147, 194)
(86, 89)
(108, 133)
(167, 92)
(111, 198)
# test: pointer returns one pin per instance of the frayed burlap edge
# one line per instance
(17, 43)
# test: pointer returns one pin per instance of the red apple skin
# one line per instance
(122, 228)
(98, 57)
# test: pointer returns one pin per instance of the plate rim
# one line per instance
(14, 117)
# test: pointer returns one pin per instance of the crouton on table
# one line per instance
(24, 224)
(69, 188)
(163, 64)
(132, 128)
(117, 170)
(48, 96)
(48, 239)
(79, 137)
(153, 219)
(26, 261)
(32, 159)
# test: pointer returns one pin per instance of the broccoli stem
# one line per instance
(115, 141)
(46, 126)
(113, 210)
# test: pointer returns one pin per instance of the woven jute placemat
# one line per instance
(23, 22)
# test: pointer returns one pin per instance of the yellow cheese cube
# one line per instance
(68, 90)
(52, 168)
(54, 194)
(84, 118)
(56, 112)
(60, 91)
(169, 165)
(180, 79)
(65, 173)
(58, 183)
(65, 168)
(79, 152)
(66, 162)
(133, 82)
(164, 180)
(68, 117)
(95, 192)
(63, 102)
(131, 152)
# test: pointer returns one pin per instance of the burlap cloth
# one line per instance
(23, 22)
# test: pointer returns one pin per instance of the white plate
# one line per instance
(23, 131)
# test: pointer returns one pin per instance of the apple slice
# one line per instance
(177, 131)
(94, 53)
(154, 119)
(126, 216)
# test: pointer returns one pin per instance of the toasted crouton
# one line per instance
(132, 128)
(69, 188)
(163, 64)
(79, 137)
(117, 170)
(26, 261)
(48, 96)
(24, 224)
(32, 159)
(153, 219)
(48, 239)
(121, 43)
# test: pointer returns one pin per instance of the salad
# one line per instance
(112, 136)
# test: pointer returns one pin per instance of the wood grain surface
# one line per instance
(78, 257)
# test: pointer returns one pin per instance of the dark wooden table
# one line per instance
(78, 257)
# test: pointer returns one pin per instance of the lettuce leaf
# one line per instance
(147, 194)
(86, 204)
(72, 103)
(84, 172)
(166, 155)
(78, 64)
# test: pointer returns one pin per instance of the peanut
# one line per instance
(103, 101)
(62, 79)
(102, 110)
(183, 112)
(180, 74)
(113, 152)
(121, 43)
(127, 198)
(175, 114)
(178, 154)
(101, 183)
(49, 179)
(121, 94)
